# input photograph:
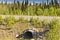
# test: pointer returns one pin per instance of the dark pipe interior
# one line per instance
(28, 35)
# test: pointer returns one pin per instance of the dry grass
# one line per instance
(18, 28)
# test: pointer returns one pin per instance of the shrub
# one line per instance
(40, 11)
(21, 19)
(53, 33)
(58, 12)
(10, 21)
(0, 19)
(33, 21)
(39, 24)
(52, 11)
(46, 12)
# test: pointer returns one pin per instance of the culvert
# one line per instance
(32, 34)
(29, 34)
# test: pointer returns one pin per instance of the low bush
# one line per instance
(53, 33)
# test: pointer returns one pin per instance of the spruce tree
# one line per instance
(52, 2)
(56, 3)
(22, 7)
(26, 2)
(47, 2)
(18, 4)
(6, 2)
(36, 9)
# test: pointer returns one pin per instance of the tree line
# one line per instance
(25, 8)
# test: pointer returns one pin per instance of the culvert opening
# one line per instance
(28, 35)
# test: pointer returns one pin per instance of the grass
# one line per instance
(20, 25)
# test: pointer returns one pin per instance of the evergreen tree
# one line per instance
(26, 2)
(33, 3)
(36, 8)
(47, 2)
(56, 3)
(6, 2)
(42, 2)
(43, 5)
(14, 3)
(2, 2)
(52, 2)
(40, 5)
(18, 4)
(22, 7)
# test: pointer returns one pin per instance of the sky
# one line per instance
(38, 1)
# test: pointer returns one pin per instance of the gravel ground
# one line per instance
(48, 18)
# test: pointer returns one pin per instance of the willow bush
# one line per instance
(31, 10)
(58, 12)
(53, 33)
(33, 21)
(21, 19)
(36, 22)
(46, 12)
(10, 21)
(0, 19)
(52, 11)
(39, 24)
(40, 12)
